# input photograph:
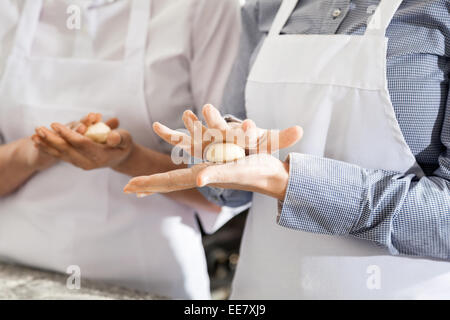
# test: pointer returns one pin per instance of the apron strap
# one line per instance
(377, 25)
(136, 41)
(283, 14)
(382, 17)
(135, 44)
(26, 27)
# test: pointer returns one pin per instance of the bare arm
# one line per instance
(20, 160)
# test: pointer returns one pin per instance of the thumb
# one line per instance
(119, 139)
(218, 174)
(286, 138)
(113, 123)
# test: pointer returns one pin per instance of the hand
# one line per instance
(68, 143)
(258, 172)
(245, 134)
(261, 173)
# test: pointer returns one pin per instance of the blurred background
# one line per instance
(222, 255)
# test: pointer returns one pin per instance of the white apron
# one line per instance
(66, 216)
(335, 87)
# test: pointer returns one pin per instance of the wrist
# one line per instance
(125, 164)
(279, 181)
(26, 154)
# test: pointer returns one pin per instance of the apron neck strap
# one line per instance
(283, 14)
(27, 25)
(382, 17)
(377, 25)
(136, 40)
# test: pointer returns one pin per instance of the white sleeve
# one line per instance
(9, 16)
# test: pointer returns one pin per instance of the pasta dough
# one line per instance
(224, 152)
(98, 132)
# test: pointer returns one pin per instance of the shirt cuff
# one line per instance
(323, 195)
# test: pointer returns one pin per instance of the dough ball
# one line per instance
(224, 152)
(98, 132)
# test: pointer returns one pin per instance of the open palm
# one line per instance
(259, 171)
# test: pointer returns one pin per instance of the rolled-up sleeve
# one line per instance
(9, 16)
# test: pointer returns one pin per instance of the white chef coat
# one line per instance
(186, 65)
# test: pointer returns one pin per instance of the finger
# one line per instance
(192, 123)
(112, 123)
(213, 118)
(175, 180)
(274, 140)
(77, 126)
(288, 137)
(68, 153)
(172, 137)
(91, 118)
(119, 139)
(73, 124)
(73, 138)
(189, 119)
(81, 128)
(52, 139)
(251, 133)
(87, 120)
(114, 139)
(42, 146)
(248, 124)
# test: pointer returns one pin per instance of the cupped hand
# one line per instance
(261, 173)
(245, 134)
(68, 143)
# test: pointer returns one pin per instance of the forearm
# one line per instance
(400, 212)
(143, 161)
(15, 168)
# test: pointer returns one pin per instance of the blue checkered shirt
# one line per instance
(404, 213)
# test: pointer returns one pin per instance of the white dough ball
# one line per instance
(224, 152)
(98, 132)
